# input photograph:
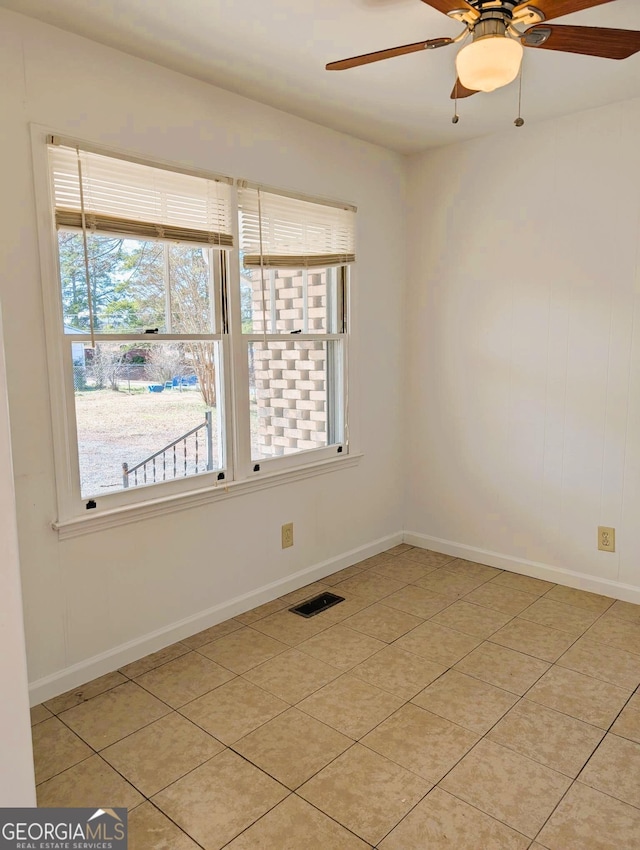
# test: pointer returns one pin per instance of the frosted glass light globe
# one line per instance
(488, 63)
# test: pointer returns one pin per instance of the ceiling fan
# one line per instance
(499, 29)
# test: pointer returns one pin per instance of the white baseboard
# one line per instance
(84, 671)
(535, 569)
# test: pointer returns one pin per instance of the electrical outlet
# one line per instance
(606, 539)
(287, 535)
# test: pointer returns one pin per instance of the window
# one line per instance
(294, 257)
(175, 376)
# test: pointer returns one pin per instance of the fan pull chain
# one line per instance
(456, 117)
(519, 122)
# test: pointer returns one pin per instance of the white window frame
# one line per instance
(339, 389)
(133, 504)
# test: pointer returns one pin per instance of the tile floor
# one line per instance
(443, 705)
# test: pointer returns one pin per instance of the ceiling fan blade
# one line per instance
(588, 41)
(446, 6)
(557, 8)
(459, 91)
(366, 58)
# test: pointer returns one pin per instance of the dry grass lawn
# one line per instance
(117, 427)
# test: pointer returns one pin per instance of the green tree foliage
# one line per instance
(105, 258)
(137, 285)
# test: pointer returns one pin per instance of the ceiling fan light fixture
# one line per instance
(489, 62)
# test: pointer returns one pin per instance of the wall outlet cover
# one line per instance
(606, 538)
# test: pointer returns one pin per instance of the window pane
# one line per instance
(156, 402)
(191, 276)
(135, 284)
(294, 395)
(303, 301)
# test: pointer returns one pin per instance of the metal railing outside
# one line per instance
(178, 459)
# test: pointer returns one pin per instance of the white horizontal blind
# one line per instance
(140, 201)
(280, 231)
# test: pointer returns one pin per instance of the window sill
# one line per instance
(157, 507)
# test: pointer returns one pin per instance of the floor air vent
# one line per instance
(316, 605)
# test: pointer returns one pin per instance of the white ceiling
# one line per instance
(275, 51)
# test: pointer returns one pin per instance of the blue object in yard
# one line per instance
(188, 381)
(156, 388)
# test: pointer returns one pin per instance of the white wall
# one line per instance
(524, 350)
(86, 596)
(17, 784)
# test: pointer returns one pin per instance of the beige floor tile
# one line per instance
(292, 747)
(466, 701)
(345, 789)
(156, 659)
(250, 617)
(417, 601)
(292, 675)
(626, 611)
(90, 783)
(442, 822)
(557, 615)
(55, 748)
(583, 697)
(421, 741)
(427, 557)
(501, 598)
(402, 569)
(400, 549)
(589, 820)
(507, 786)
(369, 585)
(580, 598)
(375, 560)
(294, 824)
(242, 650)
(348, 572)
(85, 692)
(218, 800)
(185, 678)
(504, 668)
(471, 619)
(628, 724)
(614, 769)
(382, 622)
(39, 713)
(548, 737)
(233, 710)
(533, 639)
(290, 628)
(401, 673)
(149, 829)
(114, 714)
(437, 643)
(473, 568)
(341, 647)
(449, 583)
(603, 662)
(157, 755)
(615, 632)
(212, 633)
(351, 705)
(526, 584)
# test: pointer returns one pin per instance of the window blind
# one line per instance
(281, 231)
(141, 201)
